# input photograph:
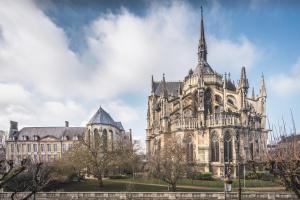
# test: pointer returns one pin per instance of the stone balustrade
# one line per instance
(223, 119)
(152, 196)
(185, 124)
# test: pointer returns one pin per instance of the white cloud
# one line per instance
(230, 56)
(122, 51)
(13, 94)
(287, 83)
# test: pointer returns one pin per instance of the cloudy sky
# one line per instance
(61, 60)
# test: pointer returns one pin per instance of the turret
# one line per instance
(253, 94)
(243, 80)
(262, 100)
(152, 85)
(164, 91)
(262, 90)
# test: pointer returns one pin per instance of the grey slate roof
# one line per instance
(102, 117)
(57, 132)
(204, 67)
(172, 88)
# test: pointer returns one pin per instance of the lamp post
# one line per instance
(237, 148)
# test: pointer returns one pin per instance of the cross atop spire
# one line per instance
(202, 50)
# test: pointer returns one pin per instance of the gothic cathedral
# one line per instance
(211, 114)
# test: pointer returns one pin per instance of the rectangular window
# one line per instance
(55, 157)
(63, 147)
(55, 147)
(49, 147)
(43, 157)
(12, 148)
(49, 158)
(42, 147)
(18, 148)
(35, 147)
(23, 148)
(28, 147)
(35, 158)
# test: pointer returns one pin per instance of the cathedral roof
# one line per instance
(172, 88)
(204, 68)
(102, 117)
(57, 132)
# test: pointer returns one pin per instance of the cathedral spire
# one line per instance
(202, 50)
(263, 91)
(253, 93)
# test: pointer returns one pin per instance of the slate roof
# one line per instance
(102, 117)
(172, 88)
(57, 132)
(204, 67)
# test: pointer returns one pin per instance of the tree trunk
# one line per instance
(173, 187)
(100, 181)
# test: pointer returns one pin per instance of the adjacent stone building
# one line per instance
(45, 144)
(209, 112)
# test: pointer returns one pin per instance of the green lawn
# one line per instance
(212, 184)
(123, 185)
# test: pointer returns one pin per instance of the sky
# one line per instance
(61, 59)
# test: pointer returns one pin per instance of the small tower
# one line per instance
(243, 88)
(253, 94)
(262, 90)
(164, 102)
(262, 100)
(152, 85)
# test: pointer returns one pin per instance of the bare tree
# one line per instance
(128, 155)
(170, 163)
(283, 157)
(8, 170)
(96, 158)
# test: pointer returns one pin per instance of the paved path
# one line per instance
(254, 189)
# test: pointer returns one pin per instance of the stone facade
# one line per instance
(45, 144)
(210, 113)
(154, 196)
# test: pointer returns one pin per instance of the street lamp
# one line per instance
(228, 184)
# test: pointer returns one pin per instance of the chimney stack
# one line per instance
(66, 123)
(13, 128)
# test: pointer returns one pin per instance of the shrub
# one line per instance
(259, 176)
(203, 176)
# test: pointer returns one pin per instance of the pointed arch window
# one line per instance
(227, 147)
(214, 146)
(97, 138)
(104, 139)
(190, 152)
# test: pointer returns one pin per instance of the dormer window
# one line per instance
(75, 137)
(65, 137)
(36, 137)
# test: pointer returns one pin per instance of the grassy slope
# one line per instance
(122, 185)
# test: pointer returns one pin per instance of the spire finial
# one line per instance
(202, 51)
(201, 12)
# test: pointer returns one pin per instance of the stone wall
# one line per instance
(152, 196)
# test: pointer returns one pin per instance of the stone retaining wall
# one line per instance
(152, 196)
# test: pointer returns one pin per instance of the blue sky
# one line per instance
(60, 60)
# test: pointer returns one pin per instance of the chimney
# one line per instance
(13, 128)
(66, 123)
